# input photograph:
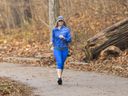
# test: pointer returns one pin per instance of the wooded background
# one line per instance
(15, 13)
(28, 19)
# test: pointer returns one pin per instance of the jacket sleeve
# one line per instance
(52, 36)
(68, 36)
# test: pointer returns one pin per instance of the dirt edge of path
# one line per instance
(9, 87)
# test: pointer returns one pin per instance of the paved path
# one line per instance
(75, 83)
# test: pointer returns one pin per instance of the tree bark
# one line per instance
(116, 35)
(53, 13)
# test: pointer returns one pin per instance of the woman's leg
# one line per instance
(60, 56)
(59, 62)
(64, 56)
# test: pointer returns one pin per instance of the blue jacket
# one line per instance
(61, 43)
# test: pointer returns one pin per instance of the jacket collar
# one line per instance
(60, 28)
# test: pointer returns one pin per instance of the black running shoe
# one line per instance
(59, 81)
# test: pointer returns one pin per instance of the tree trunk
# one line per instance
(53, 13)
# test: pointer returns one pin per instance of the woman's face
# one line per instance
(60, 23)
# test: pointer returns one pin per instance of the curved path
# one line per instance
(75, 83)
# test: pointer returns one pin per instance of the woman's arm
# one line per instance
(68, 37)
(52, 37)
(52, 40)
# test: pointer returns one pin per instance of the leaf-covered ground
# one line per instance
(12, 88)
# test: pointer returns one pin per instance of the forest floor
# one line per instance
(75, 83)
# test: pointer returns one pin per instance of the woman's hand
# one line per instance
(61, 37)
(50, 44)
(52, 48)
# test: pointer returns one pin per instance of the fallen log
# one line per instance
(109, 52)
(116, 35)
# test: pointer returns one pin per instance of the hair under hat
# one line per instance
(58, 19)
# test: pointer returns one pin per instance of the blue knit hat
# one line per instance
(60, 18)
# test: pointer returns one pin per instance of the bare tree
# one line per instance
(53, 12)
